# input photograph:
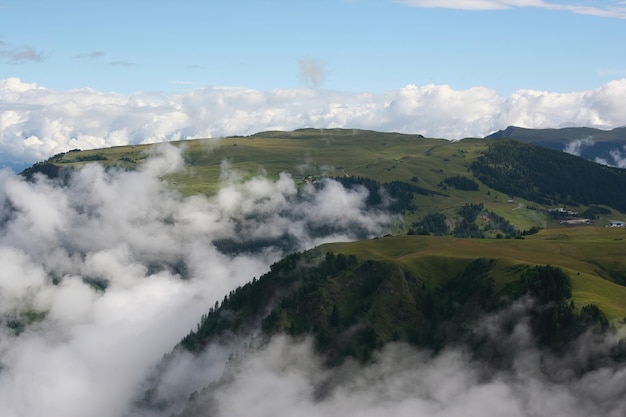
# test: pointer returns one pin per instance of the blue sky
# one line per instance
(367, 45)
(333, 47)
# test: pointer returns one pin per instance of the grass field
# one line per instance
(584, 253)
(334, 152)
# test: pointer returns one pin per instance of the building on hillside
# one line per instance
(617, 223)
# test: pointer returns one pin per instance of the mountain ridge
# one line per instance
(604, 146)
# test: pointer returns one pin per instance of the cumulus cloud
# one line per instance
(610, 9)
(102, 275)
(576, 146)
(36, 122)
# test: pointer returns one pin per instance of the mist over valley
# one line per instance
(321, 272)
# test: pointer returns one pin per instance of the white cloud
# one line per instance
(286, 377)
(93, 350)
(312, 72)
(155, 252)
(576, 147)
(472, 4)
(618, 158)
(36, 122)
(615, 10)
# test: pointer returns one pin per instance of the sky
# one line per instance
(87, 74)
(352, 46)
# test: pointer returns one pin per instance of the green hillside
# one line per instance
(445, 175)
(356, 297)
(492, 189)
(594, 258)
(484, 226)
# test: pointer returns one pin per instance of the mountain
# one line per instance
(467, 188)
(491, 254)
(604, 146)
(549, 177)
(400, 288)
(415, 290)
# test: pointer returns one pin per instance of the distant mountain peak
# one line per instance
(604, 146)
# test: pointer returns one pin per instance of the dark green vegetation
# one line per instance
(467, 224)
(395, 196)
(20, 321)
(353, 308)
(549, 177)
(461, 183)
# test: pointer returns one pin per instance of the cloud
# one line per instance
(17, 56)
(312, 72)
(90, 55)
(121, 63)
(618, 158)
(103, 275)
(611, 72)
(37, 122)
(576, 147)
(123, 267)
(285, 375)
(609, 9)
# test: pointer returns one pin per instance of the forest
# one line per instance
(332, 295)
(549, 177)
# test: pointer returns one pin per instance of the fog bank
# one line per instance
(103, 276)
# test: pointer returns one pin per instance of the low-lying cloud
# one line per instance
(617, 158)
(103, 275)
(36, 122)
(286, 377)
(577, 146)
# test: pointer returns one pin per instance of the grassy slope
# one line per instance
(587, 253)
(582, 252)
(338, 152)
